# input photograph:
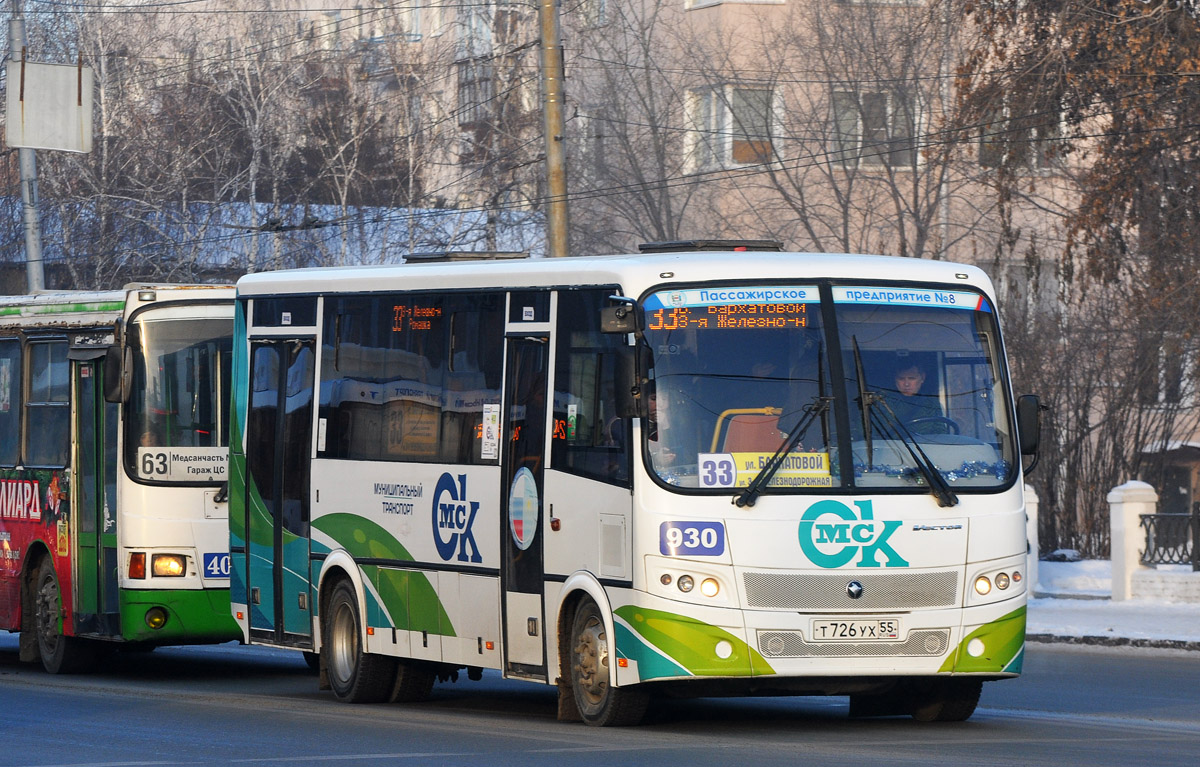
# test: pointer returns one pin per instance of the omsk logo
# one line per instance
(453, 517)
(832, 534)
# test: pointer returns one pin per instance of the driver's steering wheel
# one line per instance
(950, 424)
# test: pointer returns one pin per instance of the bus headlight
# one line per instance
(1002, 581)
(983, 586)
(709, 587)
(168, 565)
(685, 583)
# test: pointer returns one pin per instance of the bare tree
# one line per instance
(630, 178)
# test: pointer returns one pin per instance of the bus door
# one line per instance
(95, 503)
(527, 366)
(278, 448)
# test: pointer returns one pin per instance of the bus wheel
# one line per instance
(355, 676)
(950, 700)
(60, 654)
(414, 682)
(599, 702)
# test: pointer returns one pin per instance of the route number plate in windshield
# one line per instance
(886, 630)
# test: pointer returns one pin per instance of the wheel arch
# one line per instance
(581, 585)
(339, 565)
(34, 554)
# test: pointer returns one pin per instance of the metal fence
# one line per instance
(1171, 538)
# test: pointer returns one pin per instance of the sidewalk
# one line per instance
(1071, 604)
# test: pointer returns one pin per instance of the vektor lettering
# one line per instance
(832, 534)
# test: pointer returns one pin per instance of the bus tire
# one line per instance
(60, 654)
(950, 700)
(355, 676)
(600, 704)
(414, 682)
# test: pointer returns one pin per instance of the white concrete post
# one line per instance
(1031, 535)
(1126, 503)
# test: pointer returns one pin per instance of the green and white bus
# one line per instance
(113, 453)
(685, 473)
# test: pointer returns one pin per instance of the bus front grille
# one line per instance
(791, 644)
(827, 591)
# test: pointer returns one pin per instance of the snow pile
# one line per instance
(1080, 608)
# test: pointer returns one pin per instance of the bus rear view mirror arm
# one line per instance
(633, 365)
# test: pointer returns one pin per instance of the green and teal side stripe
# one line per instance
(668, 645)
(240, 376)
(405, 599)
(1004, 647)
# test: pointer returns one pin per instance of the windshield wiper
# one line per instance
(937, 483)
(818, 407)
(866, 400)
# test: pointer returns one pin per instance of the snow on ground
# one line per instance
(1080, 607)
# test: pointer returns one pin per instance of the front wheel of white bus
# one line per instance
(60, 654)
(599, 703)
(948, 700)
(355, 676)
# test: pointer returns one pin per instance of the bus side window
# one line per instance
(48, 408)
(10, 401)
(474, 368)
(589, 439)
(351, 371)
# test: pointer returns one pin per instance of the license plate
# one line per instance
(886, 629)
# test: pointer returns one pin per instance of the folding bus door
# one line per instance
(278, 445)
(522, 561)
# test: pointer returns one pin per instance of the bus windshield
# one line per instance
(744, 380)
(175, 426)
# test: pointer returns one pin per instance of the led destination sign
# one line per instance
(731, 316)
(734, 308)
(414, 317)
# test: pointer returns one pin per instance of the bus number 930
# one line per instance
(683, 539)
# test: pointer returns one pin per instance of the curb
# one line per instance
(1111, 641)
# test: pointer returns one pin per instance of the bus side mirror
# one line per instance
(618, 319)
(1029, 423)
(112, 375)
(118, 374)
(632, 369)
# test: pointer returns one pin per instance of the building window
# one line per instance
(593, 13)
(476, 91)
(1020, 141)
(871, 128)
(595, 130)
(408, 19)
(1167, 381)
(731, 126)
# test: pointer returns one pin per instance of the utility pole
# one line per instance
(555, 129)
(27, 160)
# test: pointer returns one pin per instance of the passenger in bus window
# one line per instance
(659, 425)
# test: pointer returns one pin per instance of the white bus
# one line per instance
(685, 473)
(113, 451)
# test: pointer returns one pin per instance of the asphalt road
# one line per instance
(231, 705)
